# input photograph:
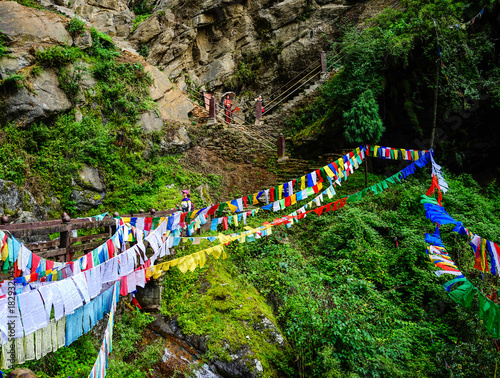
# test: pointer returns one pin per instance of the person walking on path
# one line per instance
(259, 109)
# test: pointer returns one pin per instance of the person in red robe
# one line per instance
(228, 109)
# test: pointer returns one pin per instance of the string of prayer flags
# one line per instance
(99, 368)
(481, 247)
(464, 292)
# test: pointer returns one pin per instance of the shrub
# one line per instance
(58, 56)
(75, 27)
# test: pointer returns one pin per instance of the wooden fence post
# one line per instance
(280, 143)
(65, 236)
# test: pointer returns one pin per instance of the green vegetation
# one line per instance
(30, 4)
(363, 123)
(217, 304)
(11, 82)
(4, 50)
(353, 304)
(45, 156)
(396, 57)
(138, 19)
(75, 27)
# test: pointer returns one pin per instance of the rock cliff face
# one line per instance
(27, 30)
(209, 39)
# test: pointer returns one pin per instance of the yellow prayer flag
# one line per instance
(358, 151)
(242, 238)
(329, 193)
(216, 251)
(403, 154)
(340, 163)
(203, 258)
(280, 191)
(255, 201)
(232, 207)
(190, 262)
(126, 219)
(483, 254)
(5, 252)
(157, 272)
(415, 154)
(320, 185)
(293, 199)
(328, 171)
(174, 263)
(235, 220)
(396, 153)
(302, 182)
(166, 266)
(375, 151)
(183, 267)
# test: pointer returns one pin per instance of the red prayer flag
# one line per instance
(318, 176)
(49, 264)
(148, 223)
(288, 201)
(111, 248)
(212, 210)
(35, 261)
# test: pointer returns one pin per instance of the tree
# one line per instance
(363, 123)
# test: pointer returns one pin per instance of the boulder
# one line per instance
(19, 204)
(161, 83)
(147, 30)
(109, 16)
(176, 141)
(83, 40)
(174, 105)
(151, 121)
(24, 26)
(86, 199)
(44, 99)
(89, 178)
(15, 61)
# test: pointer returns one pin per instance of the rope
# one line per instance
(284, 85)
(298, 81)
(268, 138)
(295, 90)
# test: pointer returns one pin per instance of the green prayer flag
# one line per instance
(464, 294)
(156, 222)
(220, 209)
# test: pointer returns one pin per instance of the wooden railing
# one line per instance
(66, 247)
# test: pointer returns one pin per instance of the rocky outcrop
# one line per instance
(24, 27)
(19, 204)
(187, 349)
(42, 98)
(88, 189)
(109, 16)
(172, 102)
(209, 41)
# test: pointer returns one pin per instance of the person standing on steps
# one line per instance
(186, 204)
(259, 109)
(228, 108)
